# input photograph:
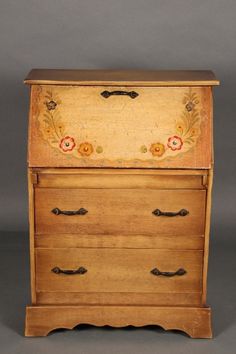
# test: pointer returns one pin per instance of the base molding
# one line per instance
(194, 321)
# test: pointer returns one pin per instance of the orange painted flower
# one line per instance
(85, 149)
(67, 144)
(157, 149)
(175, 143)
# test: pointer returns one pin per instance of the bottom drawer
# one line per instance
(132, 276)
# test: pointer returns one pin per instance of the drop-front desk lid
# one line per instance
(142, 119)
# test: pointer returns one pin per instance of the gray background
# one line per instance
(145, 34)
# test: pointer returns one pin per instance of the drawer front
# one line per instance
(120, 211)
(121, 178)
(118, 270)
(81, 126)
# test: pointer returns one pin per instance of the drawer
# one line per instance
(119, 271)
(120, 178)
(120, 211)
(84, 126)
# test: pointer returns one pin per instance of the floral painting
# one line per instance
(54, 129)
(187, 128)
(69, 135)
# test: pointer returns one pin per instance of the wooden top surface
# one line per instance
(121, 77)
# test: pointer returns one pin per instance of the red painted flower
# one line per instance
(175, 143)
(67, 144)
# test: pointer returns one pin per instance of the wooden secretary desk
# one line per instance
(120, 176)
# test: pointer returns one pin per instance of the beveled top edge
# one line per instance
(121, 77)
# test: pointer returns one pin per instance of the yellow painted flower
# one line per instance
(194, 132)
(61, 128)
(179, 128)
(157, 149)
(99, 149)
(85, 149)
(143, 149)
(48, 131)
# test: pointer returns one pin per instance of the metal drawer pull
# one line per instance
(157, 272)
(182, 212)
(58, 211)
(131, 94)
(80, 270)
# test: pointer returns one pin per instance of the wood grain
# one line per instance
(120, 171)
(119, 181)
(207, 235)
(31, 179)
(119, 298)
(118, 211)
(118, 270)
(194, 321)
(127, 77)
(56, 240)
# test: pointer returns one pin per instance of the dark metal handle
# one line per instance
(131, 94)
(58, 211)
(157, 272)
(80, 270)
(182, 212)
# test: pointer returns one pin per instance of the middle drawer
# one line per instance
(120, 211)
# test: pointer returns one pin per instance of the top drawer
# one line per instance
(102, 126)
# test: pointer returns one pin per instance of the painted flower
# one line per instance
(190, 100)
(48, 131)
(175, 143)
(190, 106)
(99, 150)
(61, 128)
(67, 144)
(179, 128)
(51, 105)
(85, 149)
(157, 149)
(143, 149)
(194, 132)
